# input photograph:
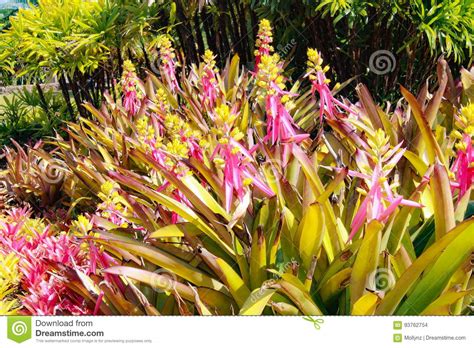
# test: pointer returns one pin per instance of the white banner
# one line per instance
(229, 332)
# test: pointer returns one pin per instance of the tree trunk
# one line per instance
(44, 103)
(66, 96)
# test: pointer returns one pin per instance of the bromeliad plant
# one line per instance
(234, 192)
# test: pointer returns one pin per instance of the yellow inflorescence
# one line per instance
(145, 131)
(82, 226)
(224, 115)
(31, 226)
(264, 37)
(466, 119)
(269, 75)
(166, 48)
(128, 67)
(9, 279)
(315, 64)
(177, 147)
(465, 126)
(162, 100)
(209, 60)
(379, 143)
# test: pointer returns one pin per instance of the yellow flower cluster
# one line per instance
(162, 100)
(466, 120)
(128, 67)
(176, 127)
(269, 74)
(111, 201)
(177, 147)
(210, 60)
(166, 48)
(224, 121)
(380, 152)
(264, 37)
(145, 131)
(465, 125)
(82, 226)
(9, 279)
(315, 65)
(31, 226)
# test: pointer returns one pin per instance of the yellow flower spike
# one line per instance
(314, 59)
(128, 66)
(107, 188)
(177, 147)
(9, 279)
(82, 226)
(209, 58)
(163, 42)
(264, 36)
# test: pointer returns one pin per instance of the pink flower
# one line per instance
(263, 43)
(40, 252)
(209, 80)
(280, 124)
(320, 84)
(132, 99)
(167, 61)
(380, 201)
(463, 167)
(236, 161)
(239, 170)
(281, 127)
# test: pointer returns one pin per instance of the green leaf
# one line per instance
(442, 201)
(257, 301)
(309, 235)
(366, 261)
(409, 278)
(433, 283)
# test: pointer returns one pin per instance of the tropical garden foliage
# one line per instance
(195, 189)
